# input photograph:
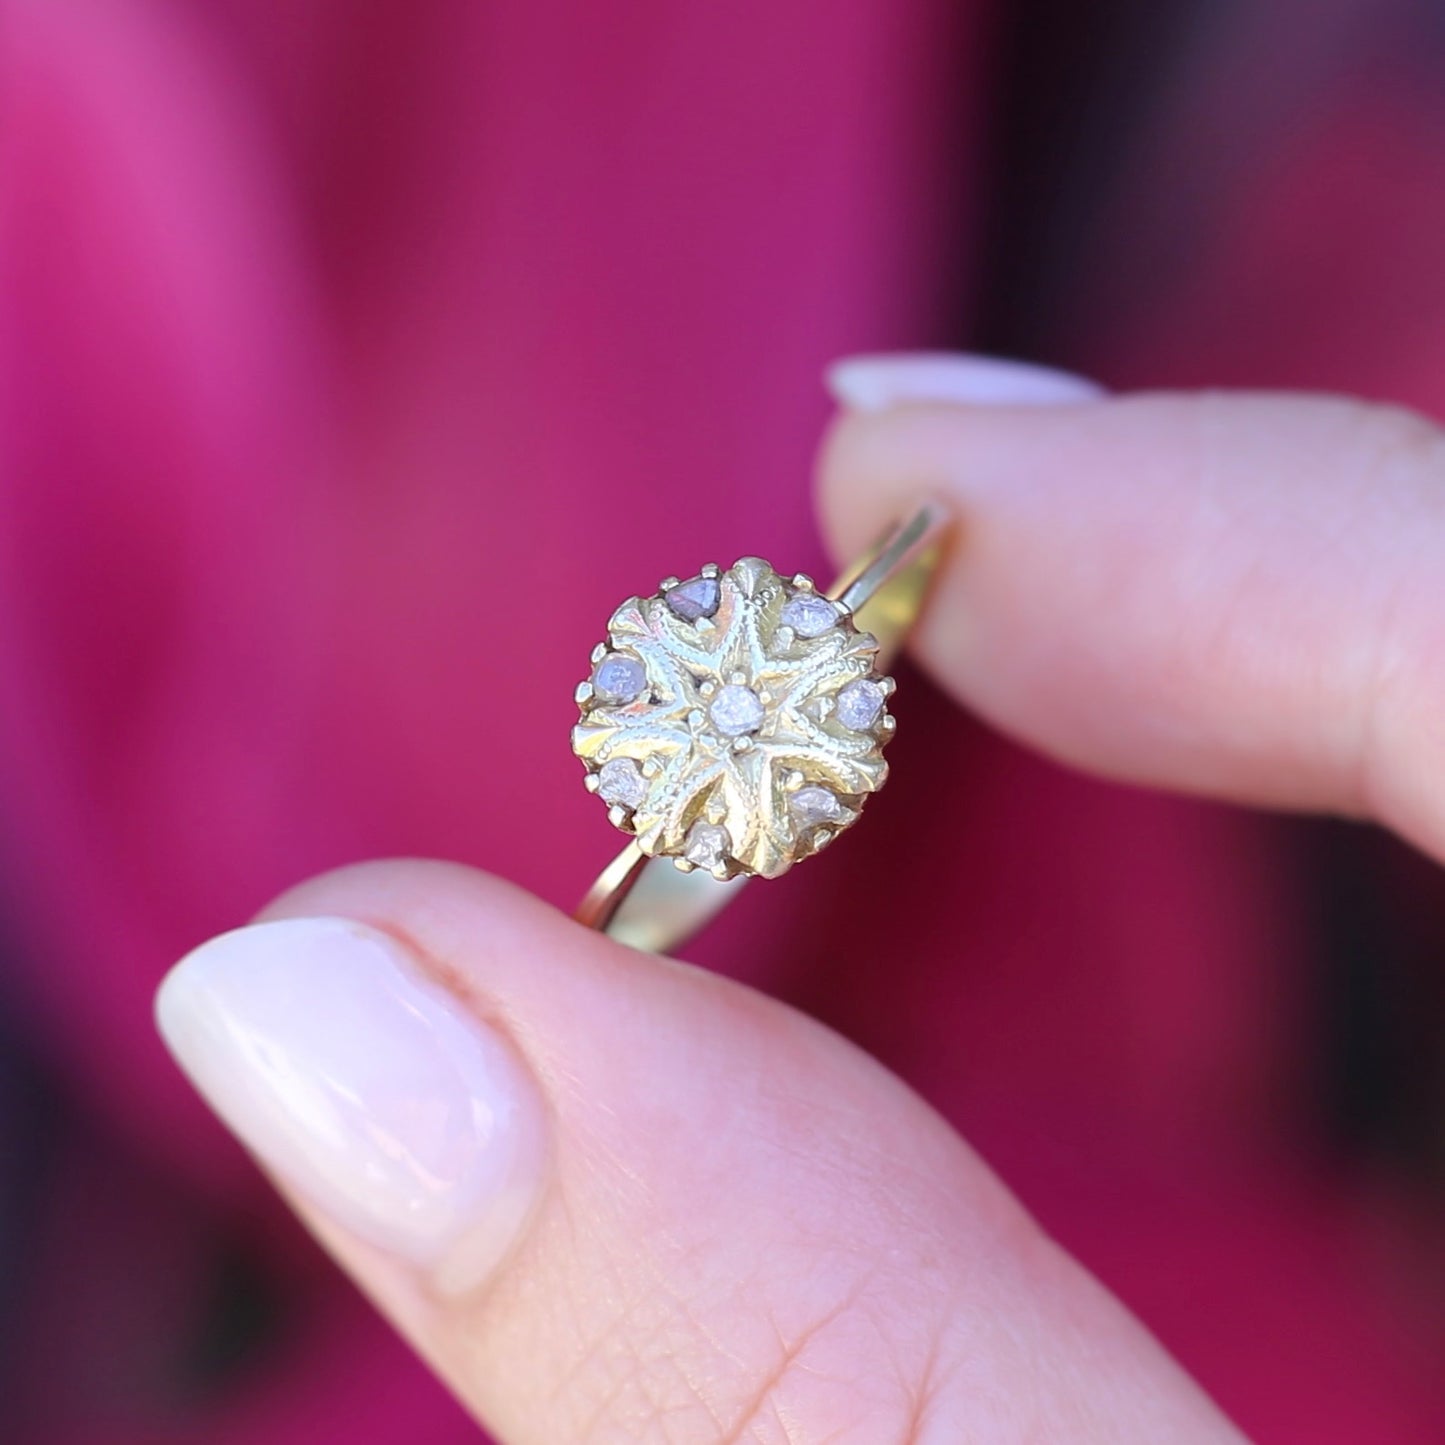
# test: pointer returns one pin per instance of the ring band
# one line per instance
(735, 722)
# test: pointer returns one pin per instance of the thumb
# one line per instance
(611, 1197)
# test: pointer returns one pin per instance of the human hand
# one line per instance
(611, 1197)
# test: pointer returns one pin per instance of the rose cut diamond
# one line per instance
(694, 599)
(707, 845)
(620, 781)
(859, 704)
(808, 614)
(736, 711)
(619, 678)
(815, 804)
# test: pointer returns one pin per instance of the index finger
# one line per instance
(1240, 595)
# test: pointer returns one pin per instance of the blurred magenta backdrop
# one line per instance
(358, 357)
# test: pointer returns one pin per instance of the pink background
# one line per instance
(334, 335)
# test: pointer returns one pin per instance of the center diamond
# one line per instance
(736, 711)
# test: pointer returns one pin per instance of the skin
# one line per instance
(752, 1232)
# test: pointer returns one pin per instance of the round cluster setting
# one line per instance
(735, 721)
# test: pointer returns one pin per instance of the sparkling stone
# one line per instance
(707, 844)
(619, 678)
(859, 704)
(736, 710)
(808, 614)
(620, 781)
(694, 599)
(815, 804)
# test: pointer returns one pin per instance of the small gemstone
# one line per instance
(808, 614)
(620, 781)
(694, 599)
(815, 804)
(707, 844)
(736, 710)
(619, 678)
(859, 704)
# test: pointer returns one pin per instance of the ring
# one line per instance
(734, 724)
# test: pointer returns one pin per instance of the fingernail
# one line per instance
(369, 1090)
(875, 383)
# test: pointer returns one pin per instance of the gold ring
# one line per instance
(734, 724)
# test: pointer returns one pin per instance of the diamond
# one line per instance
(707, 844)
(694, 599)
(736, 710)
(619, 678)
(859, 704)
(620, 781)
(808, 614)
(815, 804)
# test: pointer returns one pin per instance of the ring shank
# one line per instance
(646, 902)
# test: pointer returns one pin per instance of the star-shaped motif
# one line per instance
(737, 726)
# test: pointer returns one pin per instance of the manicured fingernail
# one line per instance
(369, 1090)
(875, 383)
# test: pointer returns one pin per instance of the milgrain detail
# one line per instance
(734, 722)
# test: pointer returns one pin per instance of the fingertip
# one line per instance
(904, 420)
(873, 466)
(1206, 591)
(376, 1096)
(722, 1175)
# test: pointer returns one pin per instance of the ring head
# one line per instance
(734, 721)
